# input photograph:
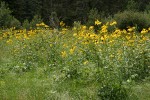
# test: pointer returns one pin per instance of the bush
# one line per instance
(32, 24)
(92, 16)
(112, 85)
(133, 5)
(113, 92)
(6, 19)
(36, 20)
(26, 24)
(140, 69)
(147, 9)
(131, 18)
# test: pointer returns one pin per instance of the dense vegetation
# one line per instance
(71, 10)
(104, 53)
(74, 63)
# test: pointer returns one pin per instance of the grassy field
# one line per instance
(98, 62)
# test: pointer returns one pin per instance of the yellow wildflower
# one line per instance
(113, 23)
(63, 54)
(111, 56)
(42, 24)
(37, 25)
(104, 29)
(144, 31)
(84, 27)
(97, 22)
(62, 23)
(74, 28)
(91, 27)
(85, 62)
(9, 41)
(102, 38)
(46, 26)
(72, 50)
(25, 36)
(51, 45)
(130, 29)
(75, 34)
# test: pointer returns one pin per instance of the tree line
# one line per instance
(70, 10)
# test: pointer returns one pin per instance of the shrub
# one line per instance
(92, 16)
(140, 69)
(131, 18)
(112, 85)
(133, 5)
(113, 92)
(147, 9)
(54, 20)
(6, 19)
(26, 24)
(32, 24)
(36, 20)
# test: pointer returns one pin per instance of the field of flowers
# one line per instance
(73, 63)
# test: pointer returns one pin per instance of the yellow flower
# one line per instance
(96, 42)
(130, 29)
(102, 38)
(62, 23)
(42, 24)
(144, 38)
(72, 50)
(128, 37)
(9, 41)
(25, 36)
(64, 30)
(51, 45)
(74, 28)
(111, 56)
(64, 45)
(113, 23)
(85, 62)
(104, 29)
(24, 46)
(63, 54)
(124, 31)
(144, 31)
(97, 22)
(84, 27)
(46, 26)
(91, 27)
(37, 25)
(75, 34)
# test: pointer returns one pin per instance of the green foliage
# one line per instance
(147, 9)
(113, 92)
(132, 5)
(32, 24)
(54, 20)
(68, 11)
(36, 20)
(77, 24)
(6, 19)
(132, 18)
(26, 24)
(72, 63)
(92, 16)
(140, 69)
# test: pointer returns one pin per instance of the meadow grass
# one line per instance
(78, 63)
